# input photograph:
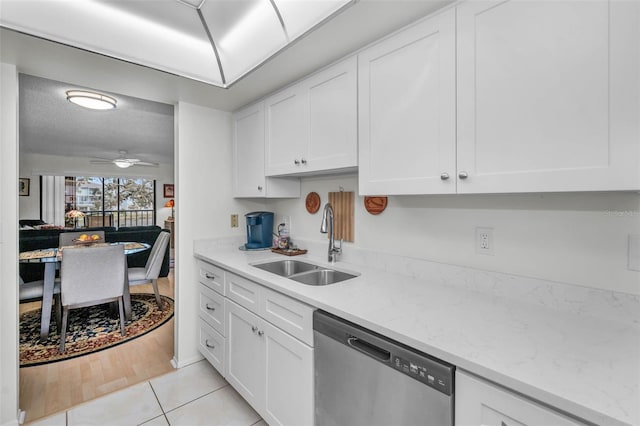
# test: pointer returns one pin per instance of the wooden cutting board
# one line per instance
(343, 211)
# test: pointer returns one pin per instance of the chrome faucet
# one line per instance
(327, 227)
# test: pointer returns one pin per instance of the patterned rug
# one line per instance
(90, 329)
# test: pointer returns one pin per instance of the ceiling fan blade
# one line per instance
(101, 161)
(145, 163)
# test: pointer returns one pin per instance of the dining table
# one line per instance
(52, 257)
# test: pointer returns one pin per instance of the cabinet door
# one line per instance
(287, 138)
(245, 354)
(211, 276)
(332, 97)
(211, 308)
(289, 379)
(248, 152)
(479, 403)
(548, 96)
(406, 111)
(212, 346)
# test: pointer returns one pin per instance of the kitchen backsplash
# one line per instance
(579, 300)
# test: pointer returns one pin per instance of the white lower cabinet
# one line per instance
(289, 379)
(481, 403)
(211, 327)
(272, 370)
(212, 346)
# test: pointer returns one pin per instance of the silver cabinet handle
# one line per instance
(463, 175)
(296, 162)
(259, 188)
(444, 176)
(303, 161)
(209, 307)
(209, 276)
(206, 342)
(260, 333)
(254, 328)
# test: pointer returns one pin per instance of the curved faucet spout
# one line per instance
(326, 227)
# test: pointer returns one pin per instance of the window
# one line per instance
(118, 202)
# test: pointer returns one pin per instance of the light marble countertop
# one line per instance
(588, 366)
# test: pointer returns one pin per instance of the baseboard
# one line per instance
(180, 364)
(14, 422)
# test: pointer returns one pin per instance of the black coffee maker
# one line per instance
(259, 230)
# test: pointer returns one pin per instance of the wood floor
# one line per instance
(50, 388)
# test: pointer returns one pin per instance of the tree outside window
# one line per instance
(119, 202)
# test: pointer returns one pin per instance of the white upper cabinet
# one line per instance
(311, 126)
(406, 100)
(548, 96)
(248, 158)
(332, 98)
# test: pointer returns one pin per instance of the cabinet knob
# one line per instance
(444, 176)
(260, 333)
(303, 161)
(463, 175)
(296, 162)
(254, 328)
(209, 276)
(259, 187)
(210, 308)
(206, 342)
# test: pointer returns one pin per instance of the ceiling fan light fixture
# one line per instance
(91, 100)
(123, 164)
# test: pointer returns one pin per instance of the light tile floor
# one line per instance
(190, 396)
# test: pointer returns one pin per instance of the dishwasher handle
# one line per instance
(369, 349)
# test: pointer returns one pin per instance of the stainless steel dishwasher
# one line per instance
(363, 378)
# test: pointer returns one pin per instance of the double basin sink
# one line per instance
(305, 273)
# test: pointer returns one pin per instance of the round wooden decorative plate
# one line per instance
(312, 203)
(375, 205)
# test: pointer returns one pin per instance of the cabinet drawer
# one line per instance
(211, 307)
(211, 276)
(244, 292)
(479, 402)
(212, 346)
(288, 314)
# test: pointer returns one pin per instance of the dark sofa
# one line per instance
(34, 239)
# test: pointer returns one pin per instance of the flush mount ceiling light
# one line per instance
(213, 41)
(91, 100)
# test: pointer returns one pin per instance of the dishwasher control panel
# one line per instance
(423, 372)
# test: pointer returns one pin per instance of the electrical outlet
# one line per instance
(484, 241)
(234, 220)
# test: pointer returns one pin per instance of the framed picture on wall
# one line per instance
(168, 190)
(23, 186)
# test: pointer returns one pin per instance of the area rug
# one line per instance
(90, 330)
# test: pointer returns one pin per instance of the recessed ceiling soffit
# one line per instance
(213, 41)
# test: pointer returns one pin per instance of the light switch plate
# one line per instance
(634, 253)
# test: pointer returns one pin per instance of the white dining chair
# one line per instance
(33, 291)
(67, 238)
(151, 270)
(91, 276)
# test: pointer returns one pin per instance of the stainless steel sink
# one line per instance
(305, 273)
(286, 268)
(322, 277)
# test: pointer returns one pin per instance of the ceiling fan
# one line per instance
(123, 161)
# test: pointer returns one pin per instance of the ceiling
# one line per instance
(214, 41)
(48, 123)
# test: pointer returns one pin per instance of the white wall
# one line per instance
(8, 245)
(34, 165)
(577, 238)
(203, 208)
